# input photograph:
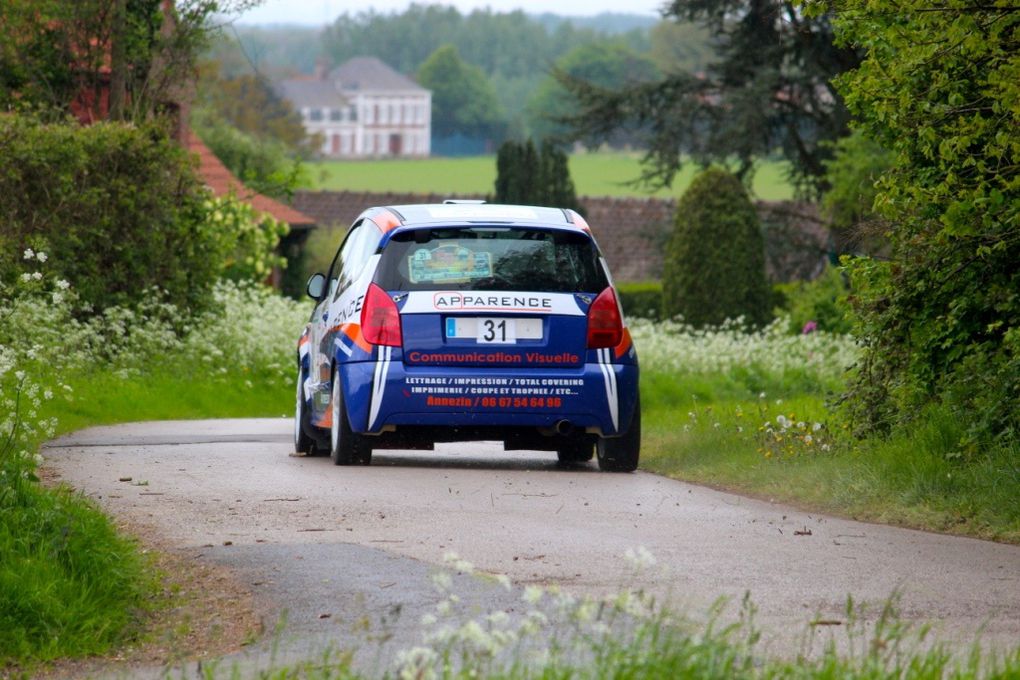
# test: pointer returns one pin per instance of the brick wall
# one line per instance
(631, 232)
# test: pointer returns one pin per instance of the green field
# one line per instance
(595, 174)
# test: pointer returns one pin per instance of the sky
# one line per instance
(318, 12)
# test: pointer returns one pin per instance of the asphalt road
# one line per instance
(346, 552)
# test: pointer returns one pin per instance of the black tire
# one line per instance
(302, 423)
(620, 454)
(575, 450)
(347, 447)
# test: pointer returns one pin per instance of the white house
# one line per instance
(364, 109)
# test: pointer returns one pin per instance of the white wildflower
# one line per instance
(37, 276)
(640, 557)
(816, 427)
(442, 580)
(28, 254)
(63, 285)
(499, 618)
(533, 594)
(417, 663)
(41, 256)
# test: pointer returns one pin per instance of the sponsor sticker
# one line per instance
(449, 263)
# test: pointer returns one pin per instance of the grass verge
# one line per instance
(70, 585)
(713, 431)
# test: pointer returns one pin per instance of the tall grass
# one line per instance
(553, 634)
(69, 583)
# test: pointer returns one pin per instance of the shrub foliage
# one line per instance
(940, 90)
(117, 208)
(715, 260)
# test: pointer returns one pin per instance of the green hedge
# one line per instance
(117, 209)
(642, 299)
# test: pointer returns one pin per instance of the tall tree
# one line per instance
(250, 104)
(463, 101)
(529, 176)
(61, 56)
(940, 88)
(605, 64)
(770, 88)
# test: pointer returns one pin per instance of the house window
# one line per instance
(352, 113)
(336, 115)
(315, 115)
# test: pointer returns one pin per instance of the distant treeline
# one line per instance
(515, 51)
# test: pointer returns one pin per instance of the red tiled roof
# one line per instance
(222, 182)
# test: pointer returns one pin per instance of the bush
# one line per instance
(248, 239)
(821, 302)
(118, 209)
(265, 165)
(641, 300)
(938, 318)
(715, 259)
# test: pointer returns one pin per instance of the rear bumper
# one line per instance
(386, 395)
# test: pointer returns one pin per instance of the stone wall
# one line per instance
(631, 232)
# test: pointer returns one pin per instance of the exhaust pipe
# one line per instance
(563, 427)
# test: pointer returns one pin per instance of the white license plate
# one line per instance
(494, 330)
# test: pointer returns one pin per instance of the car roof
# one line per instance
(487, 213)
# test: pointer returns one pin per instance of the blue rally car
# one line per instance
(466, 321)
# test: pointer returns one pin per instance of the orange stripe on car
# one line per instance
(353, 331)
(385, 219)
(624, 345)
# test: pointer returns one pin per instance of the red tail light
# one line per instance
(605, 325)
(380, 320)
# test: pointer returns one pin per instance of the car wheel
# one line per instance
(620, 454)
(346, 446)
(302, 442)
(577, 450)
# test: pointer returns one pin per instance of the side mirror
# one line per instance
(316, 286)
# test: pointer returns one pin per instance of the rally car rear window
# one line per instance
(491, 258)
